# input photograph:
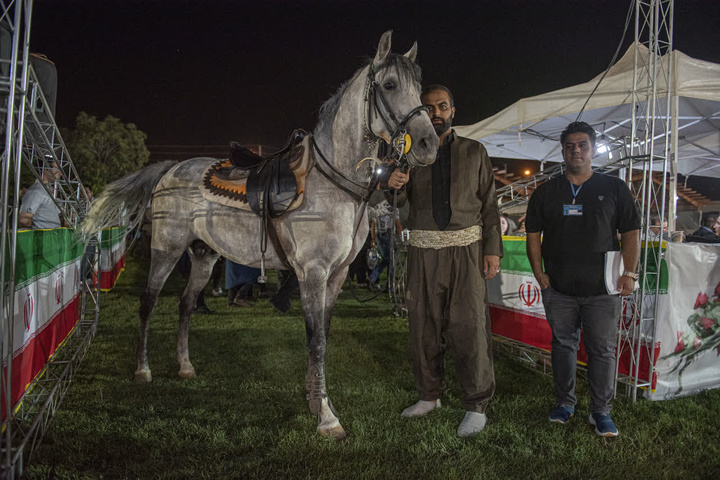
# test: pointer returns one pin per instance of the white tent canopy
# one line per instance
(531, 127)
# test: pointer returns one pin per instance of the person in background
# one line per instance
(289, 284)
(358, 270)
(38, 210)
(504, 225)
(708, 231)
(384, 223)
(455, 245)
(655, 232)
(572, 221)
(239, 282)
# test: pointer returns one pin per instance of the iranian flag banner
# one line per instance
(112, 256)
(46, 303)
(516, 308)
(517, 311)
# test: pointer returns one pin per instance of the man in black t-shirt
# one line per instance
(579, 216)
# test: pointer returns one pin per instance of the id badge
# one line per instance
(572, 210)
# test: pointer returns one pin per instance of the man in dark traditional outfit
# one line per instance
(455, 245)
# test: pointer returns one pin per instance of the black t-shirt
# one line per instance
(576, 236)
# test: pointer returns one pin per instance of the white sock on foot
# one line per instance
(421, 408)
(472, 424)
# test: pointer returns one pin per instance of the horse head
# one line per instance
(395, 112)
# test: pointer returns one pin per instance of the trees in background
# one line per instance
(105, 150)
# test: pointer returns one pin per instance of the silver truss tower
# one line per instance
(650, 141)
(31, 138)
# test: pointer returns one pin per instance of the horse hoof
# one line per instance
(187, 373)
(337, 432)
(143, 376)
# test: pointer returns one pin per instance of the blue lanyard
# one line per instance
(575, 192)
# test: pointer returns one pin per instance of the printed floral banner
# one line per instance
(688, 330)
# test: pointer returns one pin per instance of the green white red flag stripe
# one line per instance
(46, 302)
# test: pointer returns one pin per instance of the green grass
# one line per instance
(245, 415)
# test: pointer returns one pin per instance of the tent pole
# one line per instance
(672, 180)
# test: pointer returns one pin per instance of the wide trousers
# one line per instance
(447, 308)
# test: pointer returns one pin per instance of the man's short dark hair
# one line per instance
(578, 127)
(436, 86)
(709, 219)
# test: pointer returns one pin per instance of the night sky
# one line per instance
(207, 72)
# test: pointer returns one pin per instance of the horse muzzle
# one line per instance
(424, 143)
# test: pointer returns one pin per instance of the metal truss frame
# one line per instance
(651, 139)
(32, 139)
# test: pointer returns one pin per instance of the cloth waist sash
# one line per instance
(438, 239)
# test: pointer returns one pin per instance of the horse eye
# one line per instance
(389, 85)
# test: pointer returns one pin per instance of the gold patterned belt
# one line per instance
(441, 239)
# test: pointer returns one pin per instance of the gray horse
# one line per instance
(378, 105)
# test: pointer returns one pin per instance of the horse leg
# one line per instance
(161, 264)
(315, 292)
(203, 259)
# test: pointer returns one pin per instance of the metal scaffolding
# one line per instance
(650, 139)
(32, 140)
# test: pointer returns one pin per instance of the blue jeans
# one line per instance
(597, 317)
(383, 241)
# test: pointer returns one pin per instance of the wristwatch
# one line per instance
(632, 275)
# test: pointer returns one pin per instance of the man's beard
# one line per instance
(443, 127)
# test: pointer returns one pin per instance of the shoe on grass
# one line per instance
(472, 424)
(202, 310)
(604, 425)
(421, 408)
(561, 414)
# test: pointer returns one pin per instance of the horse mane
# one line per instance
(409, 72)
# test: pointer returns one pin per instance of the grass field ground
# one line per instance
(245, 415)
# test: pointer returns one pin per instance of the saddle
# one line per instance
(264, 185)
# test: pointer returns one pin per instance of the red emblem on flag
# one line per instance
(529, 294)
(28, 310)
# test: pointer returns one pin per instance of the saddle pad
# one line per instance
(224, 183)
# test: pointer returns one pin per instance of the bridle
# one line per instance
(400, 141)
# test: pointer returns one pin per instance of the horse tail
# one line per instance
(124, 200)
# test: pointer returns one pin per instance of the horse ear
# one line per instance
(412, 53)
(383, 48)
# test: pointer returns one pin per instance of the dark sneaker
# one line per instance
(561, 414)
(282, 305)
(604, 425)
(202, 310)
